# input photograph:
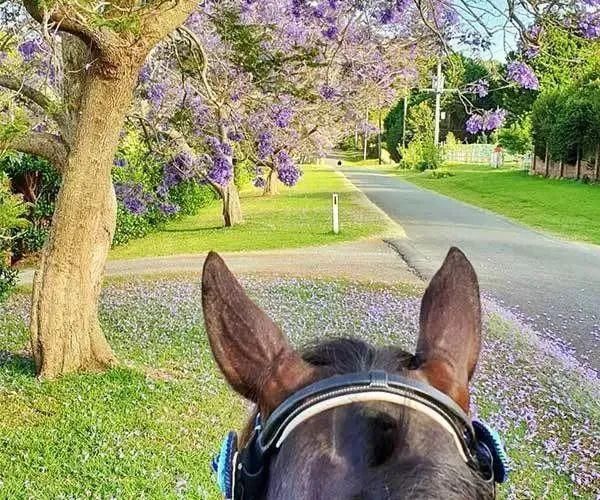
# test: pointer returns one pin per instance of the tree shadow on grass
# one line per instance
(193, 230)
(16, 364)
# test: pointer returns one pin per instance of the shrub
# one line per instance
(421, 156)
(243, 174)
(431, 157)
(516, 139)
(191, 196)
(8, 280)
(411, 155)
(130, 226)
(566, 122)
(38, 182)
(12, 220)
(451, 143)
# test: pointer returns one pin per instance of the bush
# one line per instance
(191, 197)
(451, 143)
(516, 139)
(8, 280)
(566, 122)
(421, 156)
(38, 182)
(131, 226)
(138, 172)
(411, 155)
(12, 220)
(243, 174)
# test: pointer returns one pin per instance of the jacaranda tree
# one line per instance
(76, 65)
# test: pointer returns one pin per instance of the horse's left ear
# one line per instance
(450, 324)
(249, 347)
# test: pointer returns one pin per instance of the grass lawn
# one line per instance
(297, 217)
(566, 208)
(149, 429)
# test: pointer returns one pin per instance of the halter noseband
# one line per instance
(242, 475)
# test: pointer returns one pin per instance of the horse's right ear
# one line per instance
(249, 347)
(450, 324)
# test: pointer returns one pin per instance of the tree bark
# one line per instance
(597, 164)
(65, 331)
(546, 163)
(232, 208)
(578, 165)
(271, 186)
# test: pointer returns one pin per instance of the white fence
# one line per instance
(482, 154)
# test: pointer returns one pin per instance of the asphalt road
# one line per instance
(554, 284)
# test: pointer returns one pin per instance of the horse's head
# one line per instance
(330, 434)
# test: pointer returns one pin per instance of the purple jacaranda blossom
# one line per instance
(235, 136)
(494, 119)
(481, 88)
(169, 209)
(474, 124)
(523, 75)
(28, 49)
(331, 32)
(328, 92)
(220, 165)
(133, 197)
(589, 25)
(486, 121)
(265, 145)
(386, 16)
(287, 171)
(260, 182)
(145, 73)
(156, 94)
(283, 116)
(180, 168)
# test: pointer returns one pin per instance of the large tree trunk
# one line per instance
(547, 163)
(271, 186)
(232, 208)
(65, 331)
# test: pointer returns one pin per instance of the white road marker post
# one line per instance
(335, 208)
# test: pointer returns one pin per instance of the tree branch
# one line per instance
(66, 17)
(161, 17)
(41, 144)
(33, 95)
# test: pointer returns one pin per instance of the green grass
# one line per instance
(296, 217)
(568, 209)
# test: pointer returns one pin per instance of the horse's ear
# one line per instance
(250, 349)
(450, 328)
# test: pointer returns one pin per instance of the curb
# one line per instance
(416, 261)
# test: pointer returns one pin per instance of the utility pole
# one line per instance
(365, 137)
(438, 87)
(379, 139)
(404, 118)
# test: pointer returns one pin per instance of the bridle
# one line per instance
(242, 474)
